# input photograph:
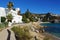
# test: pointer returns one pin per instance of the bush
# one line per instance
(9, 17)
(2, 25)
(25, 20)
(28, 17)
(22, 33)
(32, 19)
(3, 19)
(6, 24)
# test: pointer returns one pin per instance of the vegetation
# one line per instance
(21, 33)
(25, 20)
(6, 24)
(10, 5)
(3, 19)
(28, 17)
(47, 18)
(9, 17)
(3, 25)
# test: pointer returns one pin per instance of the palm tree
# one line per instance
(10, 5)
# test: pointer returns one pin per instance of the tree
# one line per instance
(24, 19)
(10, 5)
(47, 17)
(28, 17)
(27, 14)
(9, 17)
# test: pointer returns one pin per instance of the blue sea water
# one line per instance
(53, 28)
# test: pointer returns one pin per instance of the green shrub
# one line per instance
(32, 19)
(25, 20)
(28, 17)
(3, 19)
(2, 25)
(9, 17)
(6, 24)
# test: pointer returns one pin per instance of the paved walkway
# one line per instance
(7, 34)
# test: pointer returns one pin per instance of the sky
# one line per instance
(35, 6)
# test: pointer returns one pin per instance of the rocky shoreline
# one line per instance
(33, 29)
(37, 31)
(53, 37)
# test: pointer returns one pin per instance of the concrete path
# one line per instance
(7, 34)
(3, 34)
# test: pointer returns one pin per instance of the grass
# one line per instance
(3, 25)
(22, 33)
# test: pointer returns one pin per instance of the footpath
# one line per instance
(7, 34)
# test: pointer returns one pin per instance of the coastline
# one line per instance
(37, 25)
(50, 35)
(46, 33)
(44, 22)
(53, 37)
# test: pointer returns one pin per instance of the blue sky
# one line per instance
(35, 6)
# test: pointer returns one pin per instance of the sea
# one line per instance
(52, 28)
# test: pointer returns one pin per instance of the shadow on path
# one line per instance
(9, 33)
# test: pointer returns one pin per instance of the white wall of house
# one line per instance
(17, 19)
(6, 11)
(2, 12)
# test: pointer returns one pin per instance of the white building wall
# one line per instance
(2, 12)
(16, 18)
